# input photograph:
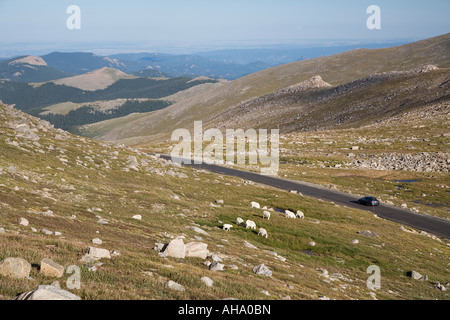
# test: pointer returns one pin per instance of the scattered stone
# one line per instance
(312, 243)
(197, 250)
(216, 258)
(368, 233)
(137, 217)
(249, 245)
(263, 270)
(207, 281)
(176, 249)
(49, 268)
(216, 266)
(16, 268)
(415, 275)
(440, 286)
(97, 241)
(47, 232)
(355, 241)
(172, 285)
(47, 293)
(98, 253)
(24, 222)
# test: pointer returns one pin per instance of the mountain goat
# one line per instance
(266, 215)
(250, 224)
(262, 232)
(240, 222)
(255, 205)
(289, 214)
(227, 227)
(300, 215)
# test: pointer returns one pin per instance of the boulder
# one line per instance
(49, 268)
(263, 270)
(24, 222)
(97, 241)
(47, 293)
(197, 250)
(216, 266)
(207, 281)
(172, 285)
(176, 249)
(97, 253)
(16, 268)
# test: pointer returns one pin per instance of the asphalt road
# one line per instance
(434, 225)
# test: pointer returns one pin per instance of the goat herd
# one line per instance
(249, 224)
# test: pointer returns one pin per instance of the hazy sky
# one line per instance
(192, 21)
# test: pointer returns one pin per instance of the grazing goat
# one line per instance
(300, 215)
(256, 205)
(227, 227)
(250, 224)
(262, 232)
(266, 215)
(289, 214)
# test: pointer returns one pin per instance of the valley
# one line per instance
(86, 181)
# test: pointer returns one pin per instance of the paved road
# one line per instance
(437, 226)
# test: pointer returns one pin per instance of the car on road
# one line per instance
(369, 201)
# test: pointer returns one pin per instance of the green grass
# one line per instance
(123, 277)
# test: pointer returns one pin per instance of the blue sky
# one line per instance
(195, 21)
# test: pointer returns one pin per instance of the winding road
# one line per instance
(437, 226)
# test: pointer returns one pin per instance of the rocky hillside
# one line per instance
(91, 220)
(337, 70)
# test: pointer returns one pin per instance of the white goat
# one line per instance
(262, 232)
(300, 215)
(256, 205)
(289, 214)
(266, 215)
(227, 227)
(250, 224)
(240, 222)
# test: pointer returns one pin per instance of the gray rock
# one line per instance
(368, 233)
(97, 241)
(176, 249)
(216, 258)
(216, 266)
(98, 253)
(47, 293)
(49, 268)
(16, 268)
(172, 285)
(262, 270)
(197, 250)
(415, 275)
(207, 281)
(24, 222)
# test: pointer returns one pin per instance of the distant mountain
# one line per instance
(151, 73)
(29, 69)
(80, 62)
(340, 69)
(282, 54)
(26, 96)
(94, 80)
(187, 65)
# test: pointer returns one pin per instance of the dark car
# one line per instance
(369, 201)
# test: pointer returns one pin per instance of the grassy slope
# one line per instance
(93, 177)
(336, 69)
